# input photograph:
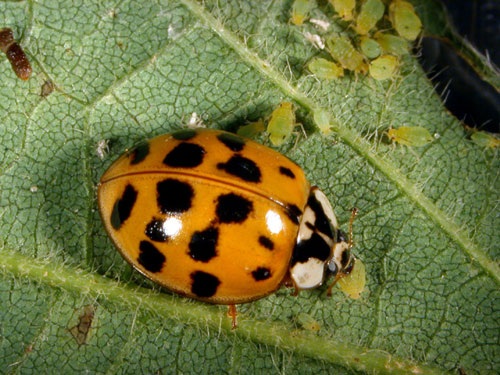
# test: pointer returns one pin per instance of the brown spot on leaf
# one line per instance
(81, 330)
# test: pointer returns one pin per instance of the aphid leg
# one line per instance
(231, 312)
(347, 269)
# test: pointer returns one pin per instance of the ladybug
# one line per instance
(220, 218)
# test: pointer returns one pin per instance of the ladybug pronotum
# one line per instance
(220, 218)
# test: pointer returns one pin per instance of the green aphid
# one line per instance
(344, 52)
(308, 322)
(281, 123)
(344, 8)
(252, 129)
(392, 43)
(322, 120)
(300, 10)
(485, 140)
(325, 69)
(354, 282)
(370, 47)
(383, 67)
(410, 136)
(404, 19)
(371, 12)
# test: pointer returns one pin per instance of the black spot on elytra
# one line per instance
(293, 213)
(232, 208)
(314, 247)
(123, 207)
(174, 196)
(266, 242)
(261, 273)
(184, 134)
(310, 226)
(202, 245)
(287, 172)
(150, 257)
(231, 141)
(139, 153)
(204, 284)
(155, 232)
(241, 167)
(321, 223)
(185, 155)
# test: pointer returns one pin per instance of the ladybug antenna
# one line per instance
(353, 215)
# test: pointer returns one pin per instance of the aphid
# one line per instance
(252, 129)
(281, 123)
(47, 88)
(102, 148)
(219, 218)
(322, 120)
(370, 47)
(343, 51)
(81, 330)
(300, 10)
(18, 59)
(354, 282)
(404, 19)
(308, 322)
(410, 136)
(484, 139)
(325, 69)
(383, 67)
(344, 8)
(392, 44)
(315, 40)
(371, 12)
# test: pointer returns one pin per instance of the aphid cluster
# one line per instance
(15, 54)
(377, 35)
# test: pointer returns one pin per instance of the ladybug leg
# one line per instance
(289, 283)
(231, 312)
(337, 277)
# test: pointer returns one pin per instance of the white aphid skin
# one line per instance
(195, 122)
(102, 148)
(324, 25)
(315, 40)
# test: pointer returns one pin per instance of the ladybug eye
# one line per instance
(332, 267)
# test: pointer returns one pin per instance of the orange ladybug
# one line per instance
(220, 218)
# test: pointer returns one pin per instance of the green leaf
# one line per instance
(123, 72)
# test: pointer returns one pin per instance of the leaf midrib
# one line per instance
(355, 141)
(53, 273)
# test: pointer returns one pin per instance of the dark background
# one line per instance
(466, 95)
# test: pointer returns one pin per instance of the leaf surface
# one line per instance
(123, 72)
